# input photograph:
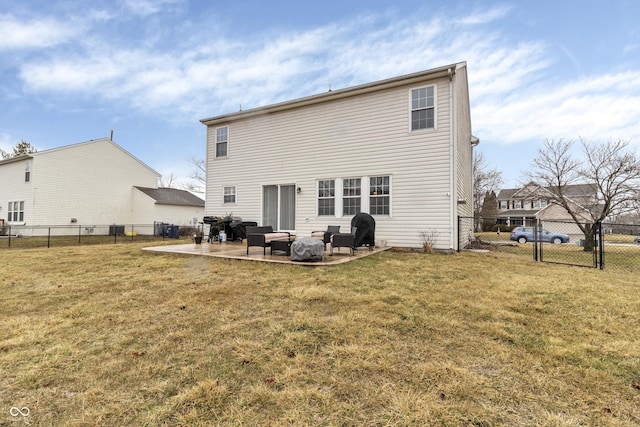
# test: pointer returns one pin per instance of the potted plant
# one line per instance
(197, 236)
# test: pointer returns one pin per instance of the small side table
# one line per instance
(281, 245)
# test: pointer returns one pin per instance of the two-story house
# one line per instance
(93, 182)
(399, 149)
(528, 204)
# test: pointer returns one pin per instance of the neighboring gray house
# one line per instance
(399, 149)
(528, 204)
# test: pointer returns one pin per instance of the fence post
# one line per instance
(537, 250)
(48, 237)
(600, 247)
(9, 236)
(79, 232)
(459, 236)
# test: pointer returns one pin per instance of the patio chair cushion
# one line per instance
(268, 237)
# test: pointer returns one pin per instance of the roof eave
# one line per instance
(434, 73)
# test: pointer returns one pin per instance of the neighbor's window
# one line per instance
(504, 204)
(351, 192)
(229, 194)
(379, 195)
(423, 108)
(16, 211)
(517, 204)
(326, 197)
(222, 141)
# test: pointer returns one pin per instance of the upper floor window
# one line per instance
(27, 176)
(222, 141)
(326, 197)
(351, 191)
(379, 195)
(16, 211)
(423, 108)
(504, 204)
(229, 194)
(517, 204)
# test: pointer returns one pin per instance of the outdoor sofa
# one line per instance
(263, 236)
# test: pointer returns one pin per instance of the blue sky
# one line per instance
(71, 71)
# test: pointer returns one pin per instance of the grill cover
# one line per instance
(366, 229)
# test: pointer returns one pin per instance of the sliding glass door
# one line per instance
(279, 207)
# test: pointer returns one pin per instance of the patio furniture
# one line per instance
(344, 240)
(307, 249)
(283, 245)
(325, 236)
(263, 236)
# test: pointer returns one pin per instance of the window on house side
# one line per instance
(326, 197)
(222, 140)
(27, 176)
(229, 194)
(379, 195)
(351, 196)
(423, 108)
(16, 211)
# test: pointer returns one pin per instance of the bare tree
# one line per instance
(485, 181)
(198, 176)
(611, 168)
(169, 181)
(23, 147)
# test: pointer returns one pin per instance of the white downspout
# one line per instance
(452, 166)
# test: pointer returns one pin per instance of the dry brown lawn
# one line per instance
(112, 336)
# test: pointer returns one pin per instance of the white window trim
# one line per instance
(435, 109)
(368, 196)
(235, 194)
(364, 195)
(342, 196)
(215, 142)
(335, 198)
(10, 212)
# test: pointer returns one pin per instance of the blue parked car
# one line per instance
(525, 234)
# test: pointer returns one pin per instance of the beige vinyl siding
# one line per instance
(464, 148)
(360, 136)
(14, 188)
(89, 181)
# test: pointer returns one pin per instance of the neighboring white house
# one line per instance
(399, 149)
(167, 205)
(91, 182)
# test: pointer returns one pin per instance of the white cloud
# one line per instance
(38, 33)
(516, 93)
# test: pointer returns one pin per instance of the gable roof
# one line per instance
(573, 190)
(447, 70)
(66, 147)
(172, 196)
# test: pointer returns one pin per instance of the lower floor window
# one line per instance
(16, 211)
(379, 192)
(350, 196)
(326, 197)
(351, 193)
(229, 194)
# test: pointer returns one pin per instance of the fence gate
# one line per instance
(579, 251)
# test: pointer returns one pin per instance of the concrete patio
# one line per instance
(238, 250)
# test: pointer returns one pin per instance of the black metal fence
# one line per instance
(605, 245)
(22, 236)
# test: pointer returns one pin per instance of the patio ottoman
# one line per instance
(307, 249)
